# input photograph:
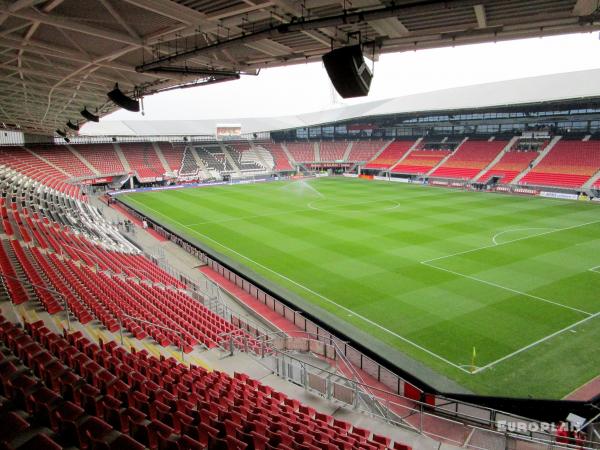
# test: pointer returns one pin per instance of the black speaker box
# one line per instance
(120, 99)
(348, 71)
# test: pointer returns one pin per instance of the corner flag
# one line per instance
(473, 359)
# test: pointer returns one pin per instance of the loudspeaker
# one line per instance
(89, 116)
(348, 71)
(120, 99)
(73, 126)
(61, 133)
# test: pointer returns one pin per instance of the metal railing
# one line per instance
(137, 319)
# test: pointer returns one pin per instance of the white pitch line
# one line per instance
(369, 321)
(533, 344)
(499, 286)
(556, 230)
(517, 229)
(593, 269)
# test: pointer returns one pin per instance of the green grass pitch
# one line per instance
(430, 272)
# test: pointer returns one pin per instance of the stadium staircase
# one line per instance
(83, 160)
(66, 391)
(391, 155)
(332, 151)
(570, 163)
(231, 160)
(537, 160)
(47, 161)
(420, 162)
(317, 150)
(348, 151)
(103, 157)
(288, 154)
(510, 165)
(301, 152)
(498, 157)
(161, 158)
(446, 158)
(262, 157)
(279, 155)
(363, 151)
(122, 158)
(61, 158)
(173, 154)
(593, 182)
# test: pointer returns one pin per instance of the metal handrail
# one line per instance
(62, 297)
(179, 333)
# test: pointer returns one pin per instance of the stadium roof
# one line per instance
(57, 56)
(533, 90)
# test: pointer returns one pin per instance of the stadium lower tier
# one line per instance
(65, 391)
(407, 169)
(505, 176)
(455, 172)
(554, 179)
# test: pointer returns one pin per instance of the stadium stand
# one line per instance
(173, 153)
(332, 151)
(246, 158)
(26, 164)
(102, 396)
(302, 151)
(143, 160)
(61, 157)
(510, 165)
(214, 158)
(420, 161)
(281, 161)
(103, 157)
(469, 159)
(365, 150)
(390, 156)
(569, 164)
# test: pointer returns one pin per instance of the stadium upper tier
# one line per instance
(561, 163)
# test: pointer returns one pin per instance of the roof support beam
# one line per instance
(586, 7)
(69, 24)
(481, 16)
(18, 5)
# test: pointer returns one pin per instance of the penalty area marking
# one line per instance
(348, 310)
(497, 235)
(539, 341)
(590, 316)
(555, 230)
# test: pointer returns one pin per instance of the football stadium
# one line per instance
(415, 272)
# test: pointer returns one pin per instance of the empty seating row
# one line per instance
(246, 158)
(365, 150)
(391, 155)
(420, 161)
(91, 395)
(103, 157)
(332, 151)
(510, 165)
(62, 157)
(143, 160)
(173, 153)
(469, 159)
(568, 164)
(302, 151)
(282, 162)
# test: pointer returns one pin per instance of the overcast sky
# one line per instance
(306, 88)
